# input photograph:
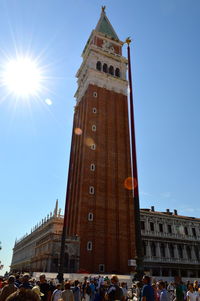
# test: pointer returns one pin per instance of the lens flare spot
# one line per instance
(89, 141)
(78, 131)
(130, 183)
(48, 101)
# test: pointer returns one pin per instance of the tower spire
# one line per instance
(104, 26)
(56, 208)
(103, 8)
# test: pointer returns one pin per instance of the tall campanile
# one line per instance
(99, 205)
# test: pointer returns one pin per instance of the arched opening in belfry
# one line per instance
(105, 68)
(111, 70)
(117, 72)
(98, 66)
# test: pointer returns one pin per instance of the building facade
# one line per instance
(171, 244)
(40, 250)
(100, 208)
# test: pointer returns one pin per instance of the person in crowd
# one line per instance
(17, 280)
(8, 289)
(93, 290)
(184, 288)
(44, 288)
(52, 286)
(76, 291)
(100, 281)
(36, 289)
(171, 289)
(56, 293)
(32, 282)
(25, 282)
(137, 291)
(196, 285)
(156, 291)
(163, 293)
(124, 290)
(1, 281)
(87, 291)
(147, 290)
(67, 294)
(101, 292)
(198, 294)
(179, 293)
(191, 294)
(23, 295)
(114, 291)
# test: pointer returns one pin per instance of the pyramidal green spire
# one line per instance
(104, 25)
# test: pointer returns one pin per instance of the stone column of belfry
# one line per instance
(100, 202)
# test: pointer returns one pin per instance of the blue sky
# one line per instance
(36, 137)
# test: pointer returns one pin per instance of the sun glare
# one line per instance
(22, 77)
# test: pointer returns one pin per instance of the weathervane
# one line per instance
(103, 9)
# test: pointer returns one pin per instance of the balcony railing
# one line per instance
(170, 260)
(169, 235)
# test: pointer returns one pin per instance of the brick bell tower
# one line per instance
(99, 206)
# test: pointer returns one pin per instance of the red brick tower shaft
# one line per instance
(100, 208)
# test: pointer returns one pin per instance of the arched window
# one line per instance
(171, 250)
(90, 217)
(162, 250)
(105, 68)
(89, 246)
(194, 232)
(196, 250)
(180, 251)
(91, 190)
(94, 128)
(111, 70)
(153, 249)
(117, 72)
(151, 226)
(101, 268)
(188, 250)
(92, 167)
(144, 248)
(98, 66)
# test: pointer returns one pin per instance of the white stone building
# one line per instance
(39, 251)
(171, 244)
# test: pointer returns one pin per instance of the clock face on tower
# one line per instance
(107, 46)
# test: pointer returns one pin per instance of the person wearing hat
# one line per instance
(36, 289)
(25, 282)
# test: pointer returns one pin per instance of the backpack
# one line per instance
(116, 293)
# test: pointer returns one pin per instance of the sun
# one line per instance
(22, 77)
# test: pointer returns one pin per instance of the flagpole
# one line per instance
(136, 203)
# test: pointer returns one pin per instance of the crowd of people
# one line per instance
(24, 288)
